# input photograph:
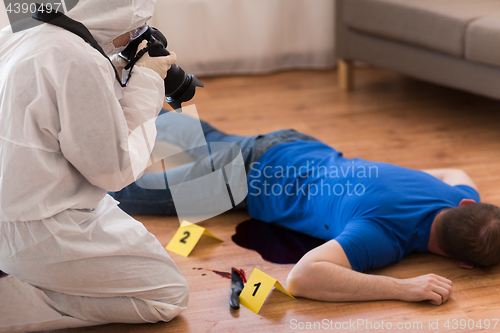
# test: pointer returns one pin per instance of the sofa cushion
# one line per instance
(482, 40)
(439, 25)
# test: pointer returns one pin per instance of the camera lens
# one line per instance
(179, 87)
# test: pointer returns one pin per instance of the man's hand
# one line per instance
(160, 65)
(119, 64)
(431, 287)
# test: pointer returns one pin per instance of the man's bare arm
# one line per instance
(325, 274)
(452, 177)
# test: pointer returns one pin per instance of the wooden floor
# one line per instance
(387, 118)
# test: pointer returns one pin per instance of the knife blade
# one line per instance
(237, 283)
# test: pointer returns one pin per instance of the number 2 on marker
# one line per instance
(257, 286)
(183, 240)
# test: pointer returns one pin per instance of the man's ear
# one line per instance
(462, 264)
(466, 202)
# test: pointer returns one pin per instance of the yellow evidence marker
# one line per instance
(257, 288)
(186, 238)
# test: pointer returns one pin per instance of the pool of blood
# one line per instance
(273, 242)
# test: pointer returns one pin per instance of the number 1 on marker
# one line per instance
(257, 286)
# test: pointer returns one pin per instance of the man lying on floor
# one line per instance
(372, 214)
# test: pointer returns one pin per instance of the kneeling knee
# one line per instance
(170, 301)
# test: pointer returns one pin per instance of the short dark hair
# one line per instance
(471, 234)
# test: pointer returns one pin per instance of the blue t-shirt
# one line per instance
(378, 212)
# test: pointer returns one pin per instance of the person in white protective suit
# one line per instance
(72, 257)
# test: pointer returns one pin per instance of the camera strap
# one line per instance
(62, 21)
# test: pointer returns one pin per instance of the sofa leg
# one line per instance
(346, 74)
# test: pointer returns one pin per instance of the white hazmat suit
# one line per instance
(72, 256)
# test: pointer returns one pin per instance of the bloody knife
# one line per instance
(238, 281)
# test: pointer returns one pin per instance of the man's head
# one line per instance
(470, 233)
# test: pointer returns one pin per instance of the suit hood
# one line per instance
(108, 19)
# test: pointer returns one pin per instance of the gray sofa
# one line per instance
(455, 43)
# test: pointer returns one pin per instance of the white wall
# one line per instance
(4, 20)
(214, 37)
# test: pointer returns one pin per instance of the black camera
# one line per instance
(179, 86)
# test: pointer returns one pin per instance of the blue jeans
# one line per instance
(136, 200)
